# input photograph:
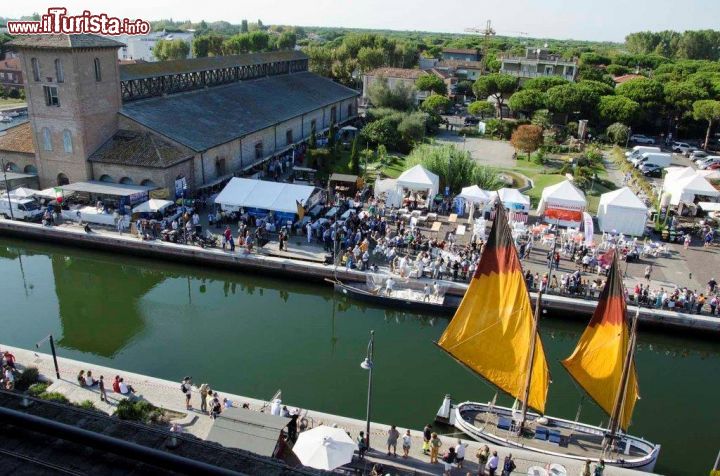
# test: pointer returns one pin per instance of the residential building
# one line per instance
(394, 77)
(626, 77)
(11, 76)
(460, 54)
(199, 120)
(470, 70)
(140, 47)
(539, 62)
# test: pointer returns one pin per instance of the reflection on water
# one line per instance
(252, 335)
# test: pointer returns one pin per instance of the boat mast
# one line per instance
(622, 390)
(531, 359)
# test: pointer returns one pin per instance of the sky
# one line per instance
(606, 20)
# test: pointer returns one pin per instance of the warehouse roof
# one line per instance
(162, 68)
(64, 41)
(17, 139)
(209, 117)
(140, 149)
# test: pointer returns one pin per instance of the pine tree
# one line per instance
(331, 136)
(312, 143)
(354, 164)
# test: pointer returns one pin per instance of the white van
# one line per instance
(639, 150)
(661, 159)
(22, 208)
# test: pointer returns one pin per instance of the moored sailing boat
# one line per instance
(494, 333)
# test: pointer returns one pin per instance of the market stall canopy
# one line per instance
(151, 206)
(689, 187)
(475, 194)
(325, 448)
(388, 190)
(344, 178)
(23, 192)
(348, 128)
(106, 188)
(54, 192)
(247, 430)
(564, 195)
(623, 212)
(419, 178)
(673, 174)
(513, 200)
(272, 196)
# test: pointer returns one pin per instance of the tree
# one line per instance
(543, 83)
(412, 127)
(680, 96)
(542, 118)
(618, 109)
(618, 133)
(571, 99)
(383, 131)
(707, 110)
(646, 92)
(400, 97)
(370, 58)
(527, 138)
(455, 168)
(435, 104)
(598, 87)
(354, 164)
(495, 85)
(259, 40)
(432, 83)
(481, 108)
(527, 101)
(207, 45)
(617, 69)
(165, 50)
(332, 136)
(321, 60)
(594, 59)
(464, 87)
(236, 44)
(286, 40)
(244, 26)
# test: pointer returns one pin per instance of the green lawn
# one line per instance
(10, 103)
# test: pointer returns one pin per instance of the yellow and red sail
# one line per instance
(597, 362)
(492, 330)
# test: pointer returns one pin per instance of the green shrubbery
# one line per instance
(138, 410)
(54, 397)
(28, 377)
(37, 389)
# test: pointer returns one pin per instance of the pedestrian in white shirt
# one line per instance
(492, 464)
(460, 453)
(406, 443)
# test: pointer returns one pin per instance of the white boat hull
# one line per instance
(645, 462)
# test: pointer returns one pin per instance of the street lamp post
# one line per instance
(54, 354)
(368, 365)
(7, 189)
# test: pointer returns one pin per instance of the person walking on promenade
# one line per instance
(203, 397)
(292, 426)
(460, 453)
(215, 407)
(406, 442)
(482, 455)
(586, 469)
(101, 388)
(186, 389)
(508, 465)
(392, 439)
(648, 272)
(9, 378)
(435, 445)
(362, 444)
(427, 435)
(492, 464)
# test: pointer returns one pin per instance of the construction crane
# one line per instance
(488, 32)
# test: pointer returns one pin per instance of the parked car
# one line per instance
(712, 160)
(471, 120)
(713, 166)
(708, 159)
(641, 139)
(661, 159)
(680, 147)
(651, 170)
(639, 150)
(696, 154)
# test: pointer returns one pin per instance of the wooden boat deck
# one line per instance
(579, 444)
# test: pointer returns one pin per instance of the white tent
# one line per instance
(673, 174)
(151, 206)
(687, 188)
(513, 200)
(418, 178)
(271, 196)
(622, 211)
(475, 194)
(387, 190)
(562, 203)
(23, 192)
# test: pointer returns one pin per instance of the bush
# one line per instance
(37, 388)
(28, 377)
(54, 397)
(87, 405)
(316, 158)
(454, 167)
(139, 410)
(538, 157)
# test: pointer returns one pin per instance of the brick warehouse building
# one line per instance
(201, 119)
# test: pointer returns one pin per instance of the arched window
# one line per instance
(106, 178)
(59, 73)
(98, 72)
(11, 167)
(148, 183)
(35, 69)
(126, 181)
(30, 169)
(46, 139)
(62, 179)
(67, 141)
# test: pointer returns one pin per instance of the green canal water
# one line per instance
(252, 335)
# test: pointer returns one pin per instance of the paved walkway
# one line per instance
(166, 394)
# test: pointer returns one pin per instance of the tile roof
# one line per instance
(140, 149)
(626, 77)
(17, 139)
(10, 64)
(460, 64)
(64, 41)
(404, 73)
(160, 68)
(208, 117)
